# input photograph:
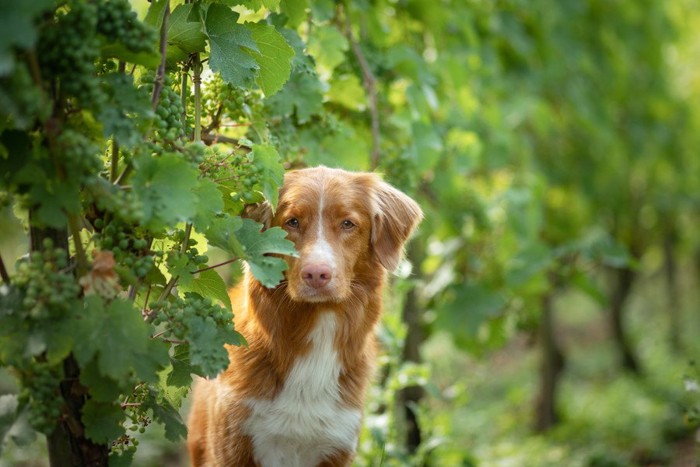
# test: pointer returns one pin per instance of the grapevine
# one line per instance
(109, 168)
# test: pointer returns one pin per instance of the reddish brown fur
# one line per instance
(277, 322)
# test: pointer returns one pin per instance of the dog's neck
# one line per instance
(288, 323)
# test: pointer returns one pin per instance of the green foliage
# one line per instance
(547, 143)
(115, 167)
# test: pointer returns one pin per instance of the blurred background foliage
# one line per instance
(551, 313)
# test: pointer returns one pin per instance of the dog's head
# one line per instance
(346, 227)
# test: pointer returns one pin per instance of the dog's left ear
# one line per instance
(259, 212)
(395, 217)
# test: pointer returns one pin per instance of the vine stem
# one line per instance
(216, 265)
(183, 94)
(160, 74)
(114, 166)
(114, 162)
(3, 272)
(81, 258)
(197, 81)
(370, 84)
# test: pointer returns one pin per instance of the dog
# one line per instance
(294, 395)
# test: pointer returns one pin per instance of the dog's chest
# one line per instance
(307, 421)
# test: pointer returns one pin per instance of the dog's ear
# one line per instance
(395, 217)
(259, 212)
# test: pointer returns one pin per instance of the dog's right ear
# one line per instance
(259, 212)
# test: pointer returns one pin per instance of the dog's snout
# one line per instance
(317, 275)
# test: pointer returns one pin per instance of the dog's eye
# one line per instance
(347, 225)
(293, 223)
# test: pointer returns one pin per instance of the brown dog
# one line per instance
(294, 396)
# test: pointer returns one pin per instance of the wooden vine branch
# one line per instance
(370, 84)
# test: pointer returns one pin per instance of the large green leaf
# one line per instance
(244, 239)
(166, 188)
(118, 337)
(184, 35)
(273, 55)
(302, 94)
(209, 284)
(230, 45)
(295, 10)
(103, 421)
(328, 45)
(266, 158)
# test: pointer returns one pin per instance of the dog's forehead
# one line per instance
(311, 186)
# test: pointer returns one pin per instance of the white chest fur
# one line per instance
(306, 421)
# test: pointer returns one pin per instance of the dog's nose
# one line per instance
(316, 275)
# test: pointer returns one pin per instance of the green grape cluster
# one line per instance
(176, 314)
(168, 122)
(68, 49)
(196, 152)
(40, 391)
(239, 104)
(81, 156)
(169, 115)
(192, 257)
(126, 207)
(248, 175)
(50, 290)
(129, 251)
(117, 22)
(126, 443)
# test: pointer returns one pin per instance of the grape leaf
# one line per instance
(207, 351)
(122, 459)
(154, 15)
(165, 187)
(266, 158)
(209, 203)
(229, 43)
(120, 52)
(165, 414)
(130, 112)
(101, 389)
(303, 93)
(221, 231)
(169, 392)
(328, 45)
(103, 421)
(209, 284)
(243, 238)
(55, 199)
(295, 10)
(184, 36)
(274, 55)
(180, 373)
(119, 338)
(256, 244)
